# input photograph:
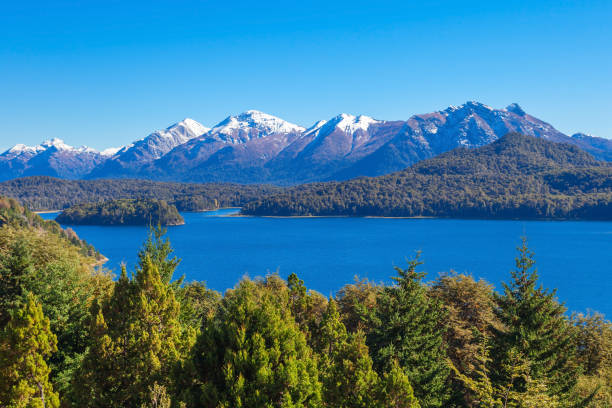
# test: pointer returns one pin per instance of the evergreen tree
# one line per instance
(252, 354)
(25, 342)
(536, 327)
(345, 364)
(395, 390)
(16, 269)
(136, 341)
(306, 306)
(158, 250)
(408, 327)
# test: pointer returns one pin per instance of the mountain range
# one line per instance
(254, 147)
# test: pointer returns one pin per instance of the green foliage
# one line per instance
(515, 177)
(307, 306)
(25, 342)
(252, 354)
(158, 250)
(395, 389)
(35, 257)
(345, 364)
(47, 193)
(136, 341)
(356, 302)
(68, 330)
(198, 303)
(122, 212)
(469, 306)
(408, 327)
(536, 330)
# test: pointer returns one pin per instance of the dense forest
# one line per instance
(71, 336)
(122, 212)
(47, 193)
(514, 177)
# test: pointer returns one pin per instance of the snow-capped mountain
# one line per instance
(128, 160)
(251, 125)
(257, 147)
(52, 157)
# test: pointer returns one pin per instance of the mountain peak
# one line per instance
(253, 120)
(350, 123)
(57, 143)
(515, 108)
(189, 127)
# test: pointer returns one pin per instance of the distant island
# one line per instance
(122, 212)
(515, 177)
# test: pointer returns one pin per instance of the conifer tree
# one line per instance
(158, 250)
(252, 354)
(408, 327)
(15, 270)
(136, 341)
(25, 343)
(536, 327)
(306, 306)
(345, 364)
(395, 390)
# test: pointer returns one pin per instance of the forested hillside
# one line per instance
(515, 177)
(122, 212)
(47, 193)
(73, 337)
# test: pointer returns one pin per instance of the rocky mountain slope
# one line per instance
(255, 147)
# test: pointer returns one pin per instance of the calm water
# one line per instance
(575, 257)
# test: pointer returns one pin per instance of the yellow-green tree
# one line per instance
(136, 342)
(252, 354)
(25, 343)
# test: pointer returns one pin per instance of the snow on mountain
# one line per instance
(257, 147)
(127, 161)
(251, 124)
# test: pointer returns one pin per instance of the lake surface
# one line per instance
(574, 257)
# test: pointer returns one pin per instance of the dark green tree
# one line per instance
(537, 329)
(16, 270)
(408, 327)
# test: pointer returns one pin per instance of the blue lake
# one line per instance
(574, 257)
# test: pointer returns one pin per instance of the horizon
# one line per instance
(105, 74)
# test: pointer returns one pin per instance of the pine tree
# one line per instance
(136, 341)
(536, 327)
(25, 342)
(252, 354)
(408, 327)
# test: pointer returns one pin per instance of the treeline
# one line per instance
(48, 193)
(515, 177)
(122, 212)
(74, 337)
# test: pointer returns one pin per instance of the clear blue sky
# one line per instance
(105, 73)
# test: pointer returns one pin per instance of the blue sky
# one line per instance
(106, 73)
